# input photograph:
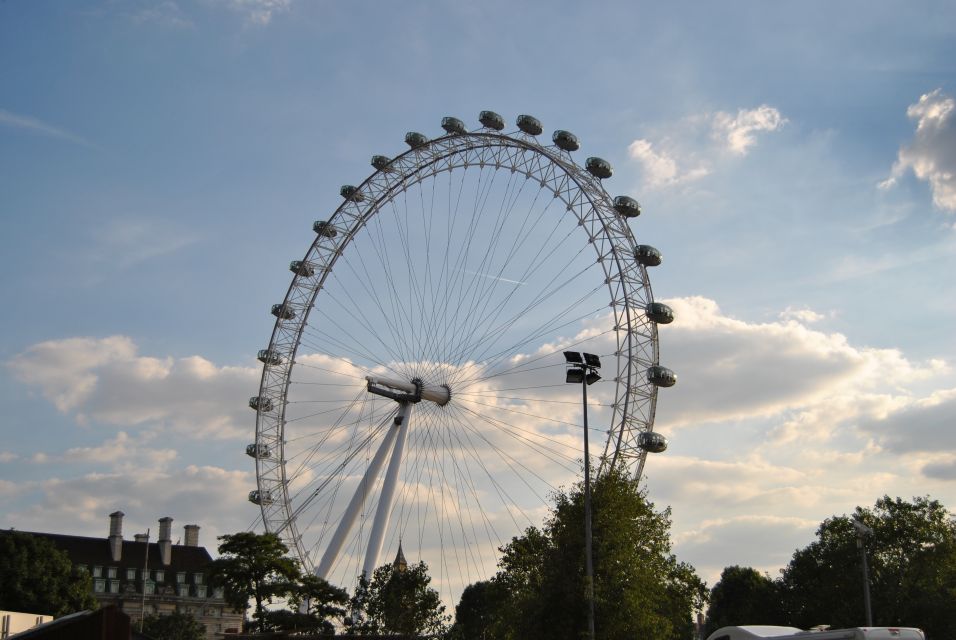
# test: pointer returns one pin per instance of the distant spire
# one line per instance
(400, 564)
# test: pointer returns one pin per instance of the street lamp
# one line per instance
(583, 371)
(861, 531)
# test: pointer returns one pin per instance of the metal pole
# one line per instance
(588, 561)
(387, 494)
(866, 582)
(142, 611)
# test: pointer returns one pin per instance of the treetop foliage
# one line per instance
(37, 577)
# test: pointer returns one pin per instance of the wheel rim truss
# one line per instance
(627, 281)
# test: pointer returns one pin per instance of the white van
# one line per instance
(767, 632)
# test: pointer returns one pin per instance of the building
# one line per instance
(144, 578)
(12, 622)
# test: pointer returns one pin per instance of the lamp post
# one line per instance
(861, 531)
(584, 371)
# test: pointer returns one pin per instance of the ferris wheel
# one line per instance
(413, 393)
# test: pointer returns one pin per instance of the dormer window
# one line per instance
(181, 577)
(97, 572)
(111, 572)
(99, 585)
(131, 574)
(201, 591)
(197, 578)
(160, 576)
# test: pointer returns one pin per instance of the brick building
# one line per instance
(139, 576)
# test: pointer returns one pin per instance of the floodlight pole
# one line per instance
(866, 580)
(586, 370)
(588, 557)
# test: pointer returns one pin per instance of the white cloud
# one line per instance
(695, 146)
(732, 369)
(166, 13)
(33, 125)
(6, 456)
(211, 497)
(932, 153)
(106, 381)
(660, 167)
(806, 316)
(259, 12)
(738, 133)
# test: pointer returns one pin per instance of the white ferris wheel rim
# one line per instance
(553, 169)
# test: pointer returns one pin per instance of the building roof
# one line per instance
(96, 551)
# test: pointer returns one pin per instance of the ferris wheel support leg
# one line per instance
(377, 537)
(355, 505)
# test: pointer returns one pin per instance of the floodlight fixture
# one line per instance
(573, 357)
(592, 377)
(575, 376)
(592, 360)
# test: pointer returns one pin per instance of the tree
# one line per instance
(397, 601)
(254, 567)
(640, 589)
(173, 626)
(37, 577)
(912, 558)
(312, 605)
(744, 596)
(478, 614)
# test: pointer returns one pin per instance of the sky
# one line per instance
(162, 161)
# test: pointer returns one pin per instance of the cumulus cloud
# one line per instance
(738, 370)
(6, 456)
(259, 12)
(806, 316)
(737, 133)
(105, 380)
(660, 166)
(694, 147)
(209, 496)
(744, 537)
(166, 13)
(932, 153)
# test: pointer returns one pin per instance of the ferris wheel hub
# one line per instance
(412, 391)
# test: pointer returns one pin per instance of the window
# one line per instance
(131, 574)
(99, 585)
(160, 576)
(181, 577)
(201, 591)
(149, 587)
(145, 574)
(182, 590)
(197, 578)
(217, 593)
(111, 572)
(114, 586)
(97, 572)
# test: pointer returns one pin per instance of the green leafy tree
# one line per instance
(312, 605)
(478, 615)
(254, 567)
(397, 602)
(912, 558)
(37, 577)
(640, 589)
(744, 596)
(173, 626)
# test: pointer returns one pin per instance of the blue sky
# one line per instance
(161, 162)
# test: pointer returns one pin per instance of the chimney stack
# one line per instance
(141, 537)
(116, 535)
(165, 540)
(191, 537)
